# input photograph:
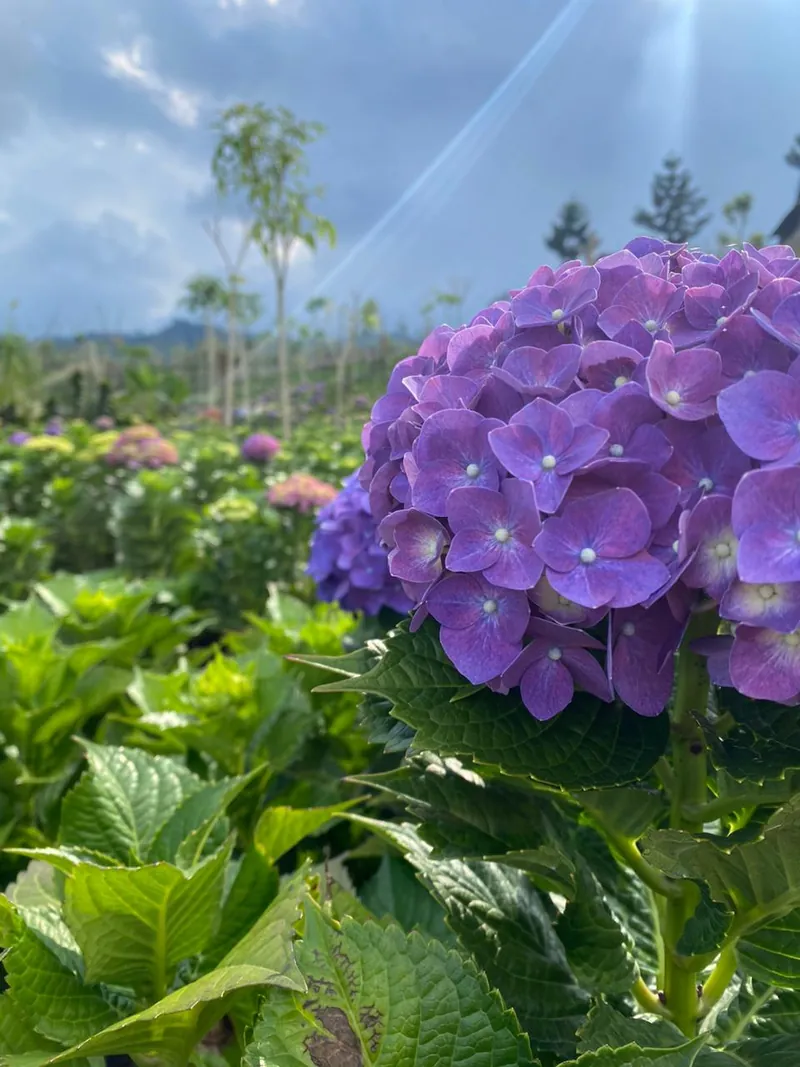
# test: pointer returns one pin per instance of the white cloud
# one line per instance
(130, 64)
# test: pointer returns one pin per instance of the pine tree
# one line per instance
(676, 214)
(793, 155)
(572, 236)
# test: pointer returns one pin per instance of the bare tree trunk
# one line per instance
(244, 355)
(211, 362)
(230, 369)
(283, 355)
(342, 362)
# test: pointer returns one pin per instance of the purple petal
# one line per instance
(478, 652)
(709, 538)
(762, 415)
(684, 384)
(546, 688)
(766, 519)
(765, 665)
(587, 672)
(775, 606)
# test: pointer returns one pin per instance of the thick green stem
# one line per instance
(719, 979)
(689, 791)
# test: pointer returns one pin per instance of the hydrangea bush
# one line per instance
(591, 495)
(346, 561)
(260, 448)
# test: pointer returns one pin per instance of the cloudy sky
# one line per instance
(456, 128)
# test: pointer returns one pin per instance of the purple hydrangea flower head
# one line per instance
(762, 415)
(542, 444)
(482, 625)
(548, 668)
(260, 447)
(18, 437)
(493, 532)
(595, 551)
(347, 562)
(54, 428)
(612, 450)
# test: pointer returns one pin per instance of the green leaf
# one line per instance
(606, 1027)
(279, 829)
(135, 925)
(705, 929)
(386, 998)
(200, 811)
(57, 1003)
(254, 886)
(768, 1052)
(760, 876)
(169, 1030)
(637, 1056)
(122, 800)
(16, 1033)
(396, 891)
(628, 811)
(598, 950)
(590, 744)
(772, 952)
(765, 742)
(466, 813)
(501, 919)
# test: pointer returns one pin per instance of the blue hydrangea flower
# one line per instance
(347, 562)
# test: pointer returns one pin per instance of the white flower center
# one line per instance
(490, 607)
(722, 550)
(651, 325)
(705, 484)
(620, 381)
(721, 321)
(615, 450)
(554, 653)
(767, 592)
(502, 535)
(588, 555)
(548, 462)
(628, 629)
(749, 373)
(473, 470)
(675, 547)
(673, 398)
(557, 315)
(793, 639)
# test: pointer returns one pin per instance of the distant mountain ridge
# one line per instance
(179, 333)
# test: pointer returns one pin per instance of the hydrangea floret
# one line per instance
(347, 562)
(564, 482)
(141, 446)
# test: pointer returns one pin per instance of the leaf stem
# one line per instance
(719, 979)
(647, 1000)
(689, 792)
(630, 854)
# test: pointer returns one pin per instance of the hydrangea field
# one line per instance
(468, 737)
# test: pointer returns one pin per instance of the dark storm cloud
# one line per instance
(394, 83)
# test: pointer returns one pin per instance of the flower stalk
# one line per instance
(690, 790)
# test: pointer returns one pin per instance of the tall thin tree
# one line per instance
(206, 296)
(261, 154)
